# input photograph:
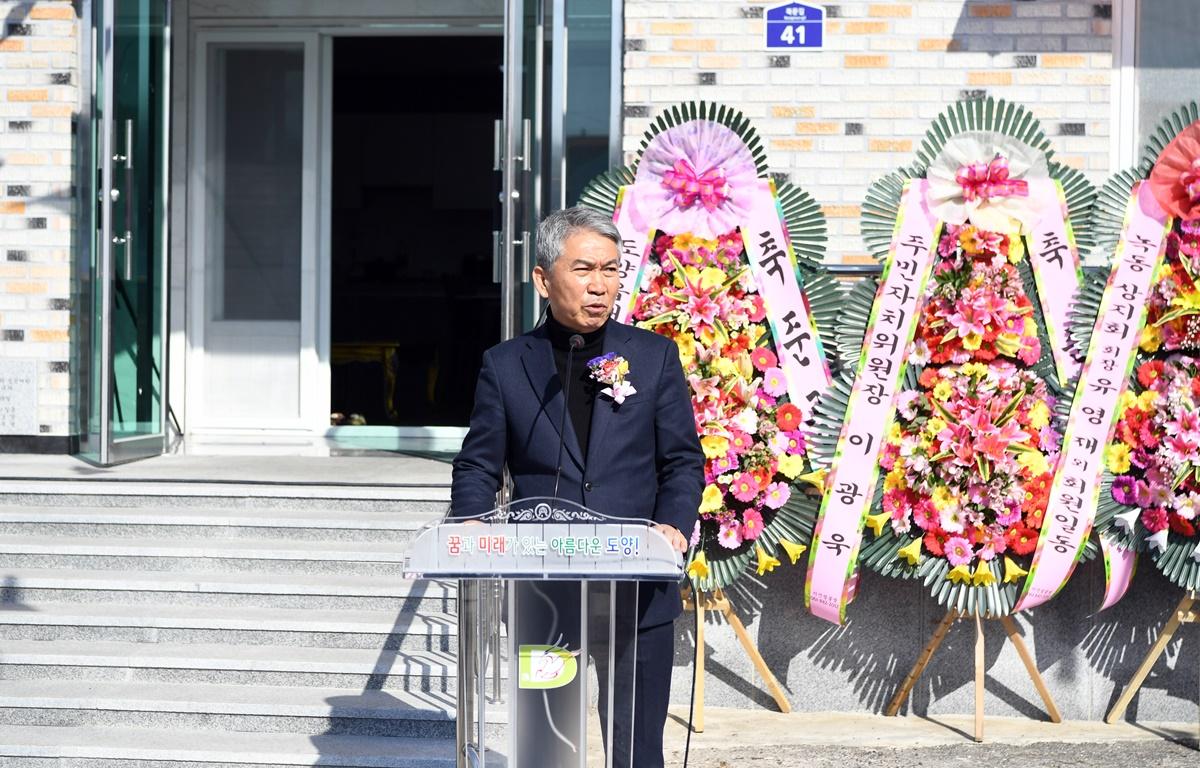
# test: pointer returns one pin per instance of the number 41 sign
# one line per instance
(795, 26)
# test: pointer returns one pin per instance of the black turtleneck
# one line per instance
(583, 389)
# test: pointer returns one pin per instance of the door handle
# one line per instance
(524, 242)
(526, 142)
(496, 256)
(130, 198)
(497, 144)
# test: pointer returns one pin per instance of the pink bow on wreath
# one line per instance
(711, 188)
(984, 181)
(1190, 179)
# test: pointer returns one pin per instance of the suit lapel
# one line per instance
(603, 410)
(538, 361)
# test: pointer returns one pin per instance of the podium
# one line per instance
(545, 586)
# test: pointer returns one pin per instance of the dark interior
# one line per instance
(413, 205)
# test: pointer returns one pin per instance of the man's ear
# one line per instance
(540, 282)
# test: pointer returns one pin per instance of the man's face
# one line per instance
(582, 285)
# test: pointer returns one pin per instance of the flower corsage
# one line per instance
(610, 369)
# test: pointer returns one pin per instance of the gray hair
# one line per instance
(554, 230)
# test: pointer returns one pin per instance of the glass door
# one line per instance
(516, 160)
(552, 140)
(128, 404)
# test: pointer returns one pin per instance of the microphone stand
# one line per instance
(573, 343)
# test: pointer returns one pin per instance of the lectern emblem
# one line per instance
(546, 666)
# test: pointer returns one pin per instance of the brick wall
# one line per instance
(39, 74)
(833, 120)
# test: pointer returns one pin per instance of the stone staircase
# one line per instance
(161, 630)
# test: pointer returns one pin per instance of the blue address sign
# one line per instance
(795, 26)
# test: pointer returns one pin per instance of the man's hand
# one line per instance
(678, 541)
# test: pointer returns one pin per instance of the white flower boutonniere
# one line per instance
(610, 369)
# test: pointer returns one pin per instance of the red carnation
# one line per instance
(1181, 526)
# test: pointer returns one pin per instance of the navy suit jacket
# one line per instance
(643, 457)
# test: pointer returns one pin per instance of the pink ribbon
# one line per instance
(984, 181)
(1191, 181)
(711, 188)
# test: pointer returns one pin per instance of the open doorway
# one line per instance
(413, 206)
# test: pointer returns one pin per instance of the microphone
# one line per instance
(573, 343)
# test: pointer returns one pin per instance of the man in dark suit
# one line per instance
(637, 458)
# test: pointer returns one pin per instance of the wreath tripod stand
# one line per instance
(939, 634)
(1183, 614)
(718, 601)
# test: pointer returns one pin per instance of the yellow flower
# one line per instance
(1016, 249)
(712, 500)
(791, 465)
(942, 498)
(756, 332)
(1030, 327)
(911, 552)
(1147, 400)
(1189, 301)
(726, 367)
(1039, 414)
(745, 366)
(983, 576)
(1151, 338)
(793, 549)
(1008, 344)
(816, 478)
(1012, 571)
(974, 369)
(894, 480)
(766, 563)
(895, 433)
(687, 349)
(714, 446)
(711, 277)
(972, 340)
(960, 574)
(697, 570)
(935, 425)
(1034, 461)
(969, 239)
(1128, 400)
(942, 390)
(1116, 458)
(876, 522)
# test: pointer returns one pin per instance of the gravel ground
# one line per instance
(1149, 754)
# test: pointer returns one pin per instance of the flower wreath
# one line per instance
(969, 457)
(1150, 495)
(696, 288)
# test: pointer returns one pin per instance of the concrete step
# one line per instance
(304, 494)
(268, 590)
(226, 708)
(287, 666)
(233, 626)
(88, 747)
(66, 495)
(169, 522)
(204, 555)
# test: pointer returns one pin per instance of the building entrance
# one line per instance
(413, 197)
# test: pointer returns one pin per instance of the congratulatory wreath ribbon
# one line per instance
(850, 488)
(773, 265)
(1054, 257)
(1075, 491)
